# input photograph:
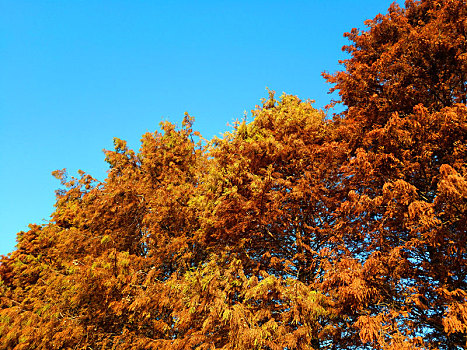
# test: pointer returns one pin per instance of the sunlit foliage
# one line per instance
(293, 231)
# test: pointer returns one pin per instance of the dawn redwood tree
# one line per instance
(403, 223)
(267, 193)
(293, 231)
(409, 56)
(93, 276)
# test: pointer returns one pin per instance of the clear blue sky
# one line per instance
(75, 74)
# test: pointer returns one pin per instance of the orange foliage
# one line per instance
(293, 231)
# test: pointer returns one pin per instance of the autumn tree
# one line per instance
(107, 250)
(293, 231)
(403, 222)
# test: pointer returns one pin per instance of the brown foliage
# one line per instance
(290, 232)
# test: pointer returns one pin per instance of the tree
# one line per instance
(410, 56)
(404, 87)
(293, 231)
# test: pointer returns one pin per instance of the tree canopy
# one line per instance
(293, 231)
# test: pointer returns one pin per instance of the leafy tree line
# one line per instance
(294, 231)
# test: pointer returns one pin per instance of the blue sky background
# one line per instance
(74, 74)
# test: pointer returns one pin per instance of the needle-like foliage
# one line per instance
(293, 231)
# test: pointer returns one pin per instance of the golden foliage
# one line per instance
(293, 231)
